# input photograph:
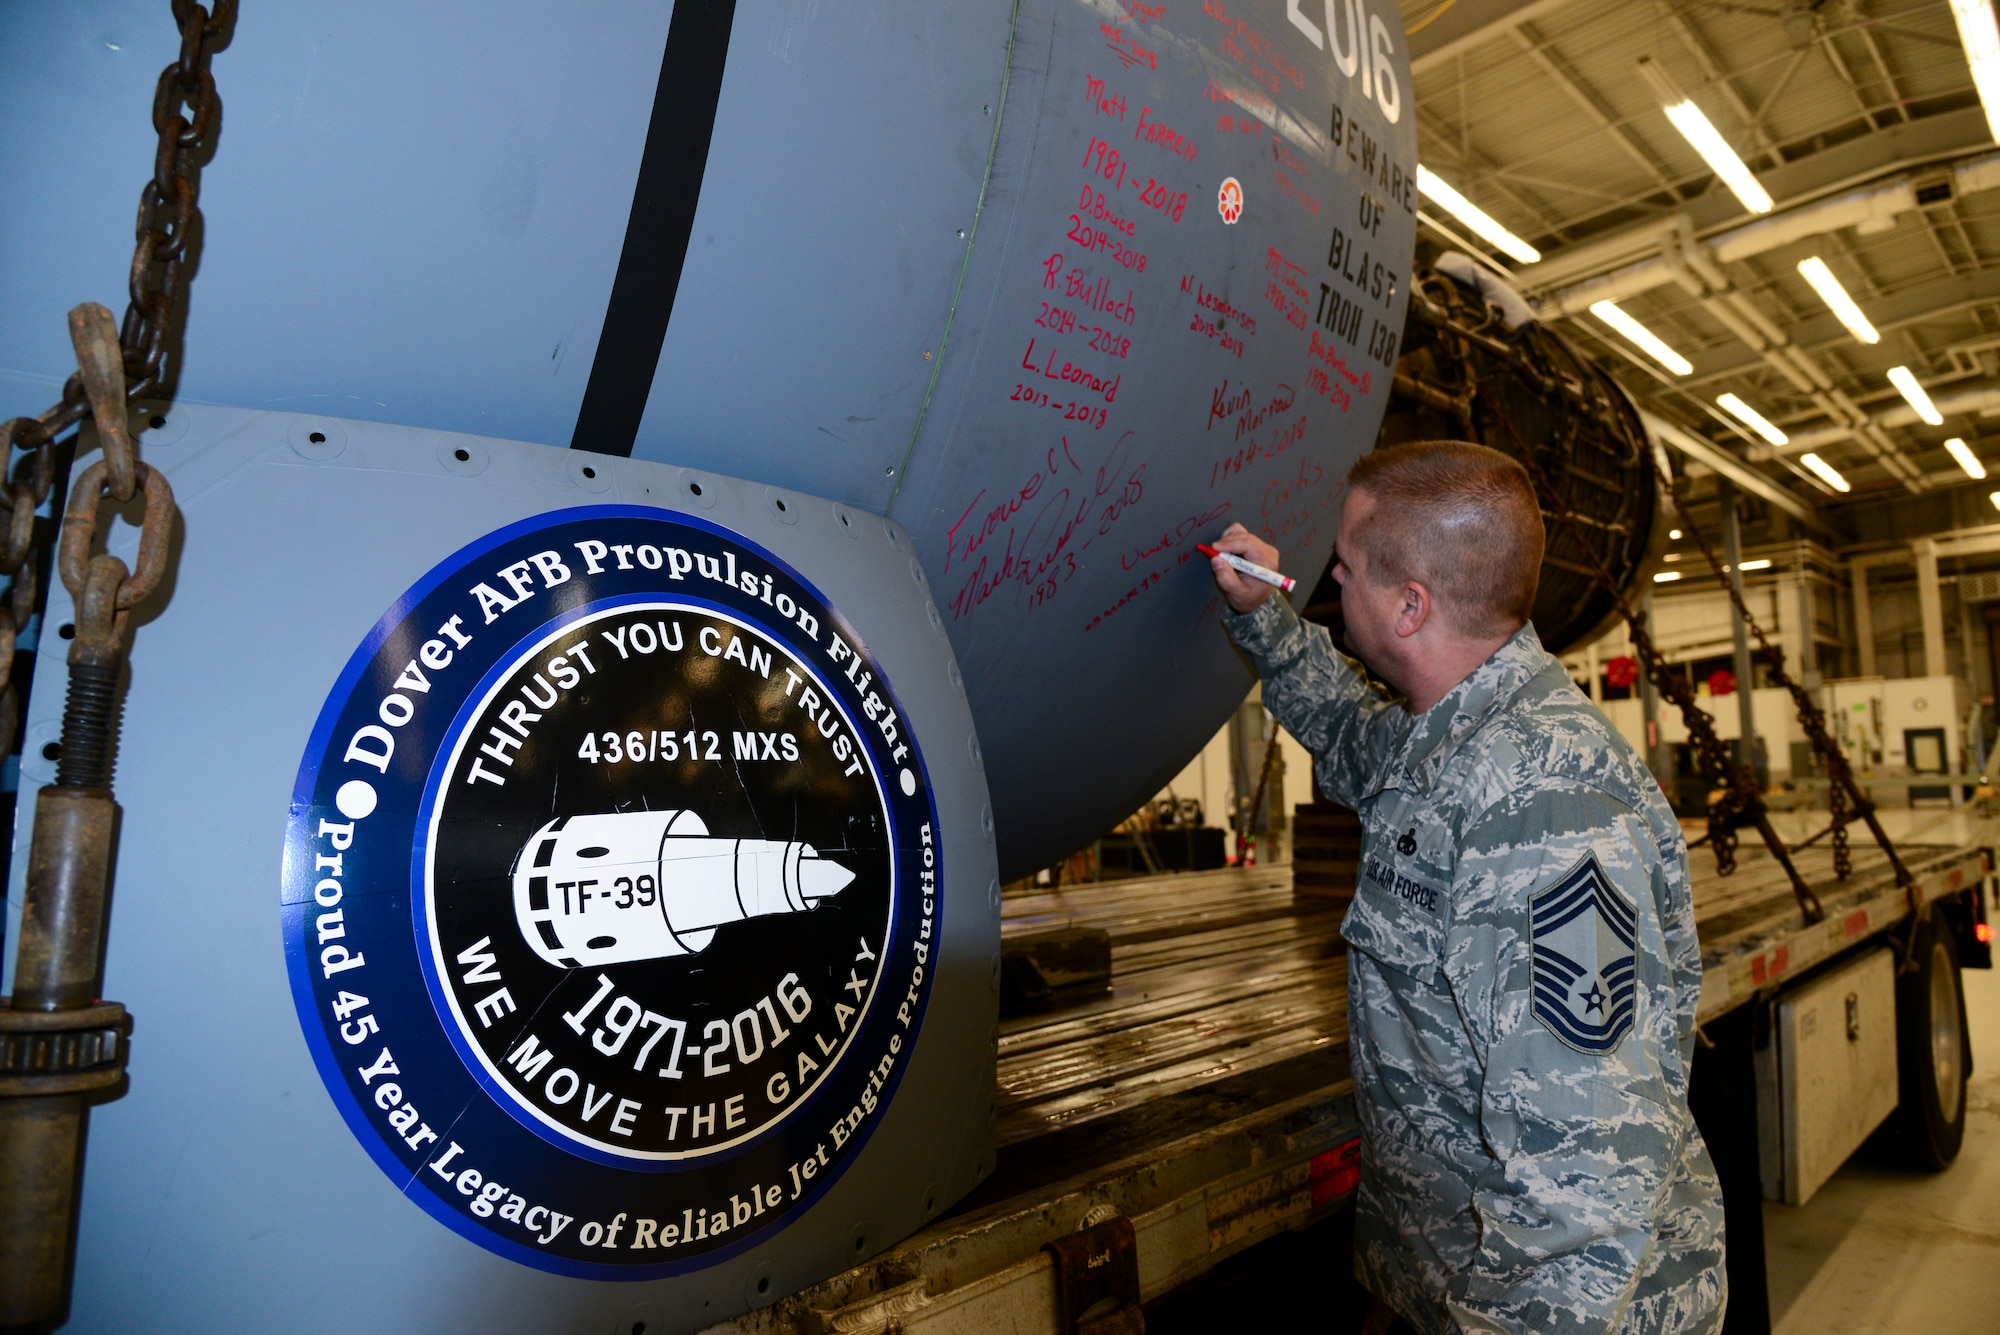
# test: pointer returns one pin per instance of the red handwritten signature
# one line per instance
(1048, 522)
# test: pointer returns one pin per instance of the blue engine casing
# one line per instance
(966, 265)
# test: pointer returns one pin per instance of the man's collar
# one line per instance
(1436, 733)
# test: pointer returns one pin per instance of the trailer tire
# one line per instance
(1933, 1052)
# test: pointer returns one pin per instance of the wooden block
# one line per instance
(1326, 852)
(1039, 968)
(1348, 850)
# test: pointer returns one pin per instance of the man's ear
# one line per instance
(1414, 610)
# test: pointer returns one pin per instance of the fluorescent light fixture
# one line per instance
(1963, 456)
(1995, 498)
(1675, 534)
(1980, 37)
(1900, 377)
(1643, 337)
(1836, 298)
(1753, 419)
(1716, 152)
(1827, 472)
(1469, 213)
(1761, 563)
(1669, 576)
(1706, 139)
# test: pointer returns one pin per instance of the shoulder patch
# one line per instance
(1585, 954)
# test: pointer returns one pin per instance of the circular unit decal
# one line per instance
(1229, 200)
(609, 891)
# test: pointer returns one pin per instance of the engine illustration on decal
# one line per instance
(603, 848)
(667, 900)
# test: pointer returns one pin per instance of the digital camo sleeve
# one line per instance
(1321, 697)
(1561, 972)
(1683, 946)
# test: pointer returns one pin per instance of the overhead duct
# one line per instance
(1869, 209)
(1721, 461)
(1985, 400)
(1696, 272)
(1598, 257)
(1465, 320)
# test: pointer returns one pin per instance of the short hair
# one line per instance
(1462, 521)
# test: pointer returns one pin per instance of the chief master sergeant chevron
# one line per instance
(1522, 963)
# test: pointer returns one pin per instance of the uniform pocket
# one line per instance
(1400, 901)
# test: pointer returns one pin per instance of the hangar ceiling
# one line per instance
(1860, 119)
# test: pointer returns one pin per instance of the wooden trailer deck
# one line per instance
(1220, 973)
(1213, 974)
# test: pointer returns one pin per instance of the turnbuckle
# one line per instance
(62, 1052)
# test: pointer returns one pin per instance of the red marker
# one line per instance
(1250, 568)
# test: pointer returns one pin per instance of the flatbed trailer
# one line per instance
(1753, 934)
(1205, 1097)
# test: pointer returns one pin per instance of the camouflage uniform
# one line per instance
(1522, 978)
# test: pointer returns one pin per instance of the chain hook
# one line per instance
(102, 365)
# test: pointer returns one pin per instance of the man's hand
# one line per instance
(1242, 593)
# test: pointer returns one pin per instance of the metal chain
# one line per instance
(167, 202)
(167, 214)
(1249, 832)
(59, 1041)
(1836, 806)
(1812, 719)
(20, 497)
(1739, 804)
